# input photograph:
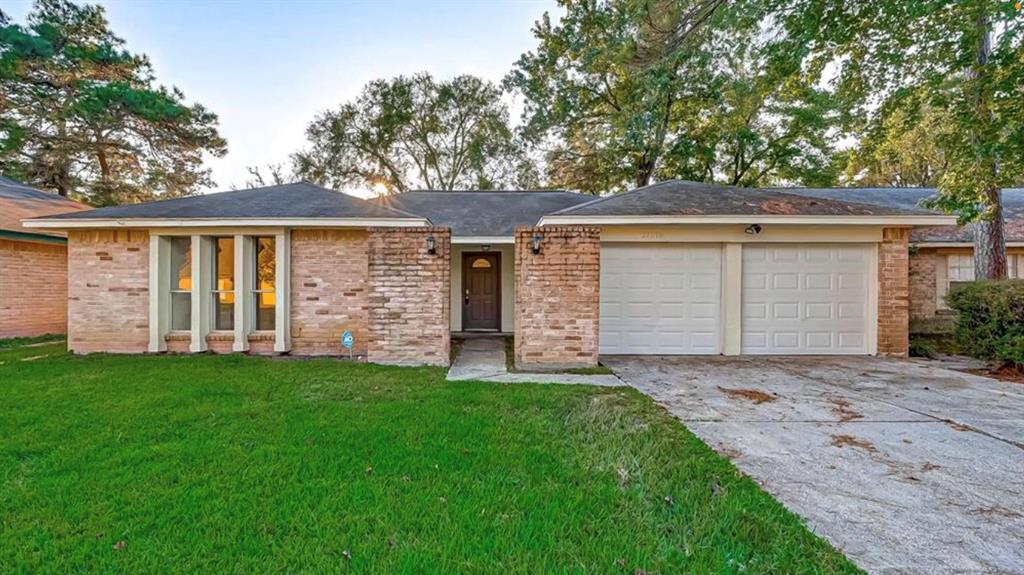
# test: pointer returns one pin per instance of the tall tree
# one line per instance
(966, 59)
(81, 115)
(622, 92)
(416, 132)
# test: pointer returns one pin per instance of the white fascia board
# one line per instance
(493, 240)
(902, 220)
(225, 222)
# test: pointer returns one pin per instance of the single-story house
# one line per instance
(672, 268)
(939, 255)
(33, 263)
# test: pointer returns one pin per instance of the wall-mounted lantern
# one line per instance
(431, 245)
(753, 229)
(536, 243)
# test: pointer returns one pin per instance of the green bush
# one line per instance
(922, 348)
(990, 320)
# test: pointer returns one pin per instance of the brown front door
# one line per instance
(481, 291)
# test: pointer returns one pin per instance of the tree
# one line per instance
(275, 176)
(965, 58)
(415, 132)
(81, 115)
(621, 92)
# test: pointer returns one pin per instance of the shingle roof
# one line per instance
(679, 197)
(1013, 209)
(484, 213)
(18, 201)
(297, 200)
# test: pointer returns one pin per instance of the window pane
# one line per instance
(181, 264)
(224, 311)
(181, 311)
(224, 264)
(1011, 267)
(265, 264)
(265, 311)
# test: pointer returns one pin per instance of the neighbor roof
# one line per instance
(18, 201)
(286, 201)
(1013, 209)
(683, 198)
(481, 213)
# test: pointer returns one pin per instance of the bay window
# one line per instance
(224, 284)
(264, 294)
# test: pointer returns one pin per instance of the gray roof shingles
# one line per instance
(484, 213)
(678, 197)
(296, 200)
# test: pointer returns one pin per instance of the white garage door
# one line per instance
(805, 299)
(660, 298)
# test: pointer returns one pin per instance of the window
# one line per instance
(1011, 266)
(224, 284)
(481, 263)
(960, 268)
(264, 296)
(181, 284)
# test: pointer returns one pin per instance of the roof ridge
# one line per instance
(618, 195)
(485, 192)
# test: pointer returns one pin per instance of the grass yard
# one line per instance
(201, 464)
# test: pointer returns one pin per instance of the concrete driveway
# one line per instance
(907, 467)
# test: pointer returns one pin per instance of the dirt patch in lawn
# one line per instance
(757, 396)
(855, 442)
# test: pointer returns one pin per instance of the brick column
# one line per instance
(409, 299)
(894, 292)
(557, 297)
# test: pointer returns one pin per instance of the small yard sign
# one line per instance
(347, 340)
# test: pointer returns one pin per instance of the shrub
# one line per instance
(990, 320)
(920, 347)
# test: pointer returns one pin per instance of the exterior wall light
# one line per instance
(536, 243)
(431, 245)
(753, 229)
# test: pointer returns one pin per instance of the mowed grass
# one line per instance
(205, 464)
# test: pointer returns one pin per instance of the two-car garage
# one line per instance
(791, 298)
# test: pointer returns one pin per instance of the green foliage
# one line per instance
(81, 115)
(920, 347)
(990, 320)
(620, 92)
(415, 132)
(214, 464)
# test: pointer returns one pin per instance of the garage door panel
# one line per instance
(805, 299)
(666, 299)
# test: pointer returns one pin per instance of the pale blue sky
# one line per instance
(266, 68)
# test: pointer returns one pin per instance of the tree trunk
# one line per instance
(989, 236)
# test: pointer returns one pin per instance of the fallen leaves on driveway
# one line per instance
(851, 441)
(757, 396)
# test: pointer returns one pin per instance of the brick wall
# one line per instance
(557, 297)
(409, 303)
(34, 284)
(894, 292)
(329, 290)
(108, 291)
(922, 284)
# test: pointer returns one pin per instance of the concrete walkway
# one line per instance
(483, 359)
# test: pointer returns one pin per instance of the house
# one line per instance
(672, 268)
(940, 255)
(33, 263)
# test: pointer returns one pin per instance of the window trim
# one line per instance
(255, 292)
(174, 286)
(214, 292)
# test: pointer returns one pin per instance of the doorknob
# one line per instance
(467, 295)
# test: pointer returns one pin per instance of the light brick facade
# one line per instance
(409, 302)
(557, 297)
(108, 291)
(34, 284)
(894, 292)
(329, 275)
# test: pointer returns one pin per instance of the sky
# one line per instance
(267, 68)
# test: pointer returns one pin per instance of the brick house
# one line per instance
(672, 268)
(940, 256)
(33, 263)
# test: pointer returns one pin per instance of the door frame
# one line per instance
(465, 270)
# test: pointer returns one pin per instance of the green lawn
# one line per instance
(252, 465)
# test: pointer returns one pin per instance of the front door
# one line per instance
(481, 292)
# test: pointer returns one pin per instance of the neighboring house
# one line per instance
(672, 268)
(940, 255)
(33, 263)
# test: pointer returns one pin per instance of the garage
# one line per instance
(806, 299)
(661, 299)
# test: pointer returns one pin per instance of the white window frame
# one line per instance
(255, 292)
(214, 292)
(172, 289)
